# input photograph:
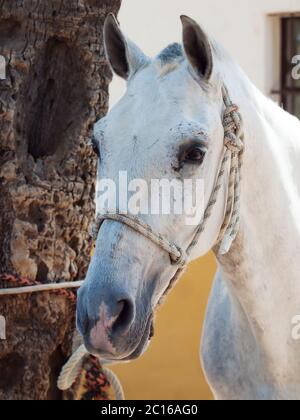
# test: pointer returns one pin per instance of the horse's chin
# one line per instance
(139, 349)
(144, 343)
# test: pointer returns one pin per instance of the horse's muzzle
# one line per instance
(114, 332)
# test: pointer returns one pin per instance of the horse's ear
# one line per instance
(123, 55)
(197, 48)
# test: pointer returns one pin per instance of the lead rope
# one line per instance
(72, 369)
(234, 143)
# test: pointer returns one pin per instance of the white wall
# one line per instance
(242, 26)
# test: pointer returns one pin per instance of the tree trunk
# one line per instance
(56, 86)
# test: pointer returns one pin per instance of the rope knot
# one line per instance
(233, 143)
(182, 259)
(232, 122)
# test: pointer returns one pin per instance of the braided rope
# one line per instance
(115, 383)
(95, 384)
(234, 142)
(73, 367)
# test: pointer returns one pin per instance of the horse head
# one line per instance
(168, 126)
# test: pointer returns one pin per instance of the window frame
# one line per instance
(287, 93)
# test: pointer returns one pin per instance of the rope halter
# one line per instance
(177, 255)
(232, 154)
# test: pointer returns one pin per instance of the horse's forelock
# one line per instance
(170, 58)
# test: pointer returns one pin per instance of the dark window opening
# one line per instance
(290, 47)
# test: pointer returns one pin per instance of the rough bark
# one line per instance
(56, 87)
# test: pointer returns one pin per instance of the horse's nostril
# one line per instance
(124, 316)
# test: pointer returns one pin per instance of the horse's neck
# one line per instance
(262, 268)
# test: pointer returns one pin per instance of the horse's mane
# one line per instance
(171, 57)
(237, 80)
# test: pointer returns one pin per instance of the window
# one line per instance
(290, 47)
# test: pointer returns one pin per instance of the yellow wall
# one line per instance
(170, 369)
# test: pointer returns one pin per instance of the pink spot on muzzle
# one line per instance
(100, 333)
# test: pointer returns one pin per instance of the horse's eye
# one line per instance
(95, 147)
(194, 155)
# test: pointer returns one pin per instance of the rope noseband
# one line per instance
(177, 255)
(233, 153)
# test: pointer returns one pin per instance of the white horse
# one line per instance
(169, 125)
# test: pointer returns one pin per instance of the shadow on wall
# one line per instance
(171, 367)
